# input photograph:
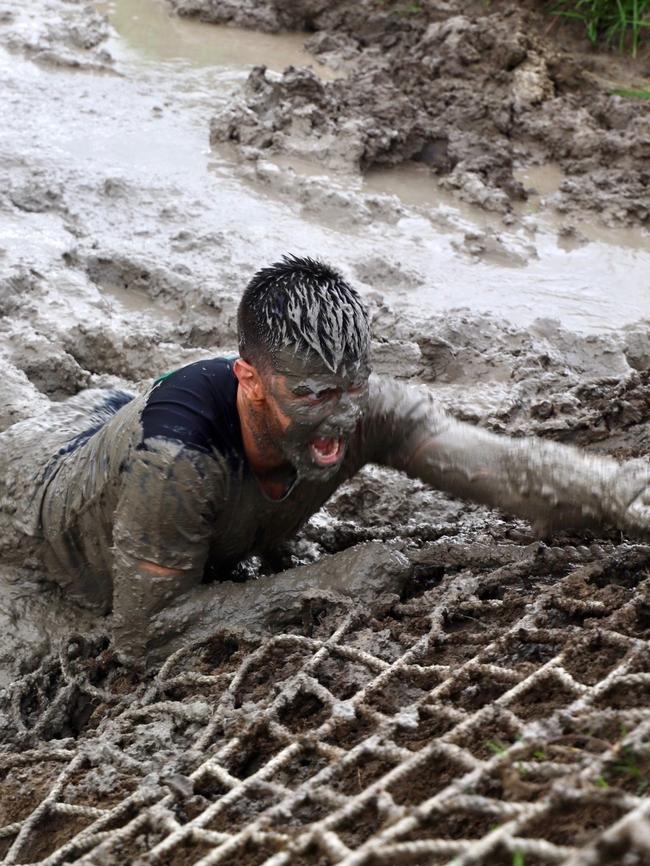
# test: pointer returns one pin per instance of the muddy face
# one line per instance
(314, 411)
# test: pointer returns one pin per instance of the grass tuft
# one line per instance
(408, 9)
(620, 22)
(631, 94)
(497, 747)
(628, 766)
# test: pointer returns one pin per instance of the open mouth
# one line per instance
(327, 450)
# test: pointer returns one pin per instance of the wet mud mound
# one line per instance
(500, 705)
(589, 390)
(473, 95)
(70, 35)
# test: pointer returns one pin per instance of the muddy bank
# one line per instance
(71, 35)
(117, 199)
(472, 95)
(543, 380)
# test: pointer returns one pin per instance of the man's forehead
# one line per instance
(310, 366)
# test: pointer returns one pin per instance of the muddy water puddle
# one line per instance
(146, 28)
(134, 301)
(589, 276)
(149, 127)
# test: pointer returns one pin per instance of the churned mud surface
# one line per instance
(473, 93)
(487, 662)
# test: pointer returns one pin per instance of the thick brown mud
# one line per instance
(347, 723)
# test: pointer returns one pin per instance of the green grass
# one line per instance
(631, 94)
(408, 9)
(628, 766)
(620, 22)
(403, 9)
(497, 747)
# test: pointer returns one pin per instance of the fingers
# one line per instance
(638, 512)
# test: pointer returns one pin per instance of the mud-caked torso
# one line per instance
(82, 485)
(166, 479)
(162, 477)
(46, 468)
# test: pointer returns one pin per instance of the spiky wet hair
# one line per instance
(304, 304)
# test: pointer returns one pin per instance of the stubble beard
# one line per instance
(293, 445)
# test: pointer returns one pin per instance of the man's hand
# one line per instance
(631, 496)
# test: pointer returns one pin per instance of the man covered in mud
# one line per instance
(135, 501)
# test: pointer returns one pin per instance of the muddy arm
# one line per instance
(359, 575)
(139, 595)
(548, 483)
(161, 538)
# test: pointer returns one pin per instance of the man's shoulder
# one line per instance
(204, 374)
(196, 406)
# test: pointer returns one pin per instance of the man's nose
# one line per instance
(349, 410)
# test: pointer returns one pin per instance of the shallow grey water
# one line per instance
(146, 28)
(149, 128)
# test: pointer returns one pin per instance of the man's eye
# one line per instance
(321, 396)
(310, 396)
(316, 396)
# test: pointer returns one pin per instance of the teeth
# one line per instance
(326, 448)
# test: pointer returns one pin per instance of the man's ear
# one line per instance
(249, 380)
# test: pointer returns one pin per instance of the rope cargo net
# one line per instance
(497, 715)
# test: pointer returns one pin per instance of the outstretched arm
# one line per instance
(548, 483)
